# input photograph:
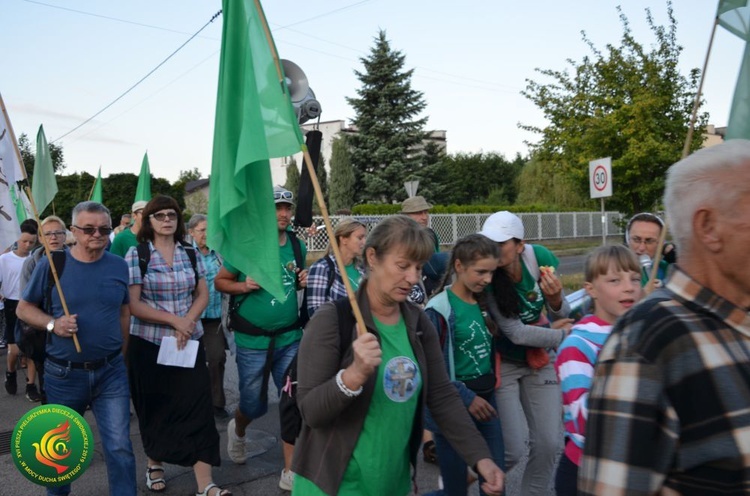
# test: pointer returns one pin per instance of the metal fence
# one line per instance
(451, 227)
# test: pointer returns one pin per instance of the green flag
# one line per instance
(255, 121)
(44, 184)
(734, 15)
(143, 191)
(96, 191)
(21, 213)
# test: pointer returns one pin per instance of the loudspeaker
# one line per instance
(296, 81)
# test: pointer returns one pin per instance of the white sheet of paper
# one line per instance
(170, 355)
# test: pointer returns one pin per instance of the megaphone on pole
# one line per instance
(302, 96)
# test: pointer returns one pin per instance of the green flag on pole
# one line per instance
(734, 15)
(96, 191)
(44, 184)
(255, 121)
(143, 191)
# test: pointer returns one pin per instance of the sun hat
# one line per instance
(414, 204)
(139, 205)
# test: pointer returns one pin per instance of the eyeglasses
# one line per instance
(200, 231)
(637, 240)
(54, 234)
(89, 231)
(162, 216)
(283, 195)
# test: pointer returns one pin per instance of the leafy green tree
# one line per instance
(28, 156)
(388, 127)
(470, 178)
(539, 184)
(626, 101)
(341, 186)
(292, 177)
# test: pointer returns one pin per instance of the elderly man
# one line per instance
(669, 403)
(95, 286)
(642, 236)
(127, 237)
(418, 209)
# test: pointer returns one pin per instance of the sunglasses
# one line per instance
(283, 195)
(89, 231)
(162, 216)
(54, 234)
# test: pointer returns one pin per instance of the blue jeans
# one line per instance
(453, 467)
(250, 364)
(106, 390)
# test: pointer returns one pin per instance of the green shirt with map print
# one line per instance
(472, 342)
(532, 299)
(265, 311)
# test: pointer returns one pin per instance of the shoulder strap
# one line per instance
(296, 248)
(193, 256)
(58, 258)
(529, 258)
(144, 257)
(346, 324)
(331, 275)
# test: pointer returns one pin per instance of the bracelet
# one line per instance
(342, 387)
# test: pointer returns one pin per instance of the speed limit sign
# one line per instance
(600, 177)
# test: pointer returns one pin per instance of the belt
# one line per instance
(92, 365)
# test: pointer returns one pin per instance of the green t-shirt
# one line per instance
(661, 274)
(532, 299)
(473, 343)
(354, 276)
(380, 462)
(123, 242)
(265, 311)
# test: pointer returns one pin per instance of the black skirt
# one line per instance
(174, 408)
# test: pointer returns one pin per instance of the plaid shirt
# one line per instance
(669, 410)
(169, 289)
(318, 291)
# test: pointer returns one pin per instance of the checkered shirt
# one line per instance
(669, 409)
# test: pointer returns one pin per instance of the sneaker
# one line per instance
(235, 445)
(32, 394)
(10, 383)
(286, 481)
(3, 344)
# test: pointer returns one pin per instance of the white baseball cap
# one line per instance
(502, 226)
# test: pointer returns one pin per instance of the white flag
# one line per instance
(10, 172)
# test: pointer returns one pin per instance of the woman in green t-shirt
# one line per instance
(362, 407)
(528, 300)
(459, 313)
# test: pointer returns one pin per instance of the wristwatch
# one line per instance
(51, 325)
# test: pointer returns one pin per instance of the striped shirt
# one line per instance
(669, 409)
(574, 365)
(165, 288)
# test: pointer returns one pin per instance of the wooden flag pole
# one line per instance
(685, 152)
(361, 329)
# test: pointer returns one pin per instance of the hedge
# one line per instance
(389, 209)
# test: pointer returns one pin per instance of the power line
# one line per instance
(213, 18)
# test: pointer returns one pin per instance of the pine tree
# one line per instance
(341, 185)
(384, 149)
(292, 177)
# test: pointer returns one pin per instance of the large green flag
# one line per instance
(143, 191)
(43, 184)
(255, 121)
(96, 191)
(734, 15)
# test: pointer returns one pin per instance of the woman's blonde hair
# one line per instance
(344, 229)
(603, 258)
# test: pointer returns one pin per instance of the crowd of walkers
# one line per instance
(474, 355)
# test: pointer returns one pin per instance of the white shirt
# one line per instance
(10, 275)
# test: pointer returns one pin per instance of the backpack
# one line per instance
(144, 257)
(33, 340)
(291, 420)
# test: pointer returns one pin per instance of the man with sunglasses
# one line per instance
(642, 236)
(267, 333)
(95, 286)
(127, 237)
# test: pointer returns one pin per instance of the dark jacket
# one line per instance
(332, 421)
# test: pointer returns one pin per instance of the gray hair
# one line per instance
(195, 220)
(92, 208)
(704, 179)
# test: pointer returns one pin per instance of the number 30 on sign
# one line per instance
(600, 177)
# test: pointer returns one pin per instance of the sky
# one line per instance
(65, 60)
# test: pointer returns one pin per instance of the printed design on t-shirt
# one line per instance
(401, 379)
(473, 347)
(531, 301)
(288, 281)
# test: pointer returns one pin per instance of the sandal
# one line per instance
(220, 491)
(159, 480)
